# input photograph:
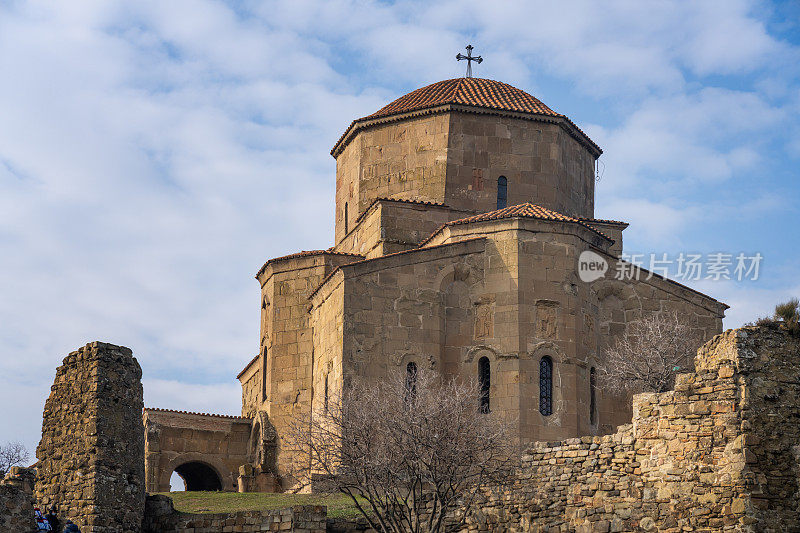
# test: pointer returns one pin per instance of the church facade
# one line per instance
(462, 209)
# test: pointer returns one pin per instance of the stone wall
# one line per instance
(206, 450)
(161, 517)
(456, 157)
(718, 453)
(286, 348)
(91, 456)
(535, 305)
(405, 159)
(20, 477)
(542, 162)
(376, 316)
(16, 508)
(389, 226)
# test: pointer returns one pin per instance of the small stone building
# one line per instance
(461, 211)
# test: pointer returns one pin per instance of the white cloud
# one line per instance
(653, 226)
(688, 139)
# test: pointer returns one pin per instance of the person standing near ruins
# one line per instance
(52, 519)
(69, 527)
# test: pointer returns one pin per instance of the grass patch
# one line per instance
(339, 505)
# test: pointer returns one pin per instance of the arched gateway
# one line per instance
(205, 450)
(199, 476)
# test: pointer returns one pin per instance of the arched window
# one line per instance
(411, 381)
(592, 396)
(546, 386)
(345, 218)
(485, 381)
(326, 393)
(502, 192)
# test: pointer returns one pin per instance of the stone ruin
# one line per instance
(16, 500)
(719, 453)
(91, 456)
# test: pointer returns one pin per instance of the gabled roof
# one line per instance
(526, 210)
(467, 91)
(304, 253)
(605, 221)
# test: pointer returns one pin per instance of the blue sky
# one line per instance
(154, 154)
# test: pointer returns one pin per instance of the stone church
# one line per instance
(461, 211)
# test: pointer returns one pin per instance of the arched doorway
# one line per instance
(199, 476)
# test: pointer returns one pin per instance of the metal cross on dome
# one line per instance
(470, 58)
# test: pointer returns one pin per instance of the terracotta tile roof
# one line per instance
(409, 201)
(467, 91)
(158, 409)
(305, 253)
(478, 93)
(526, 210)
(604, 221)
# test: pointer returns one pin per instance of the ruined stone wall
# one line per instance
(91, 456)
(161, 517)
(708, 456)
(618, 302)
(16, 505)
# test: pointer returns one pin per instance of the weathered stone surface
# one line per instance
(177, 441)
(161, 517)
(91, 456)
(735, 467)
(20, 477)
(16, 509)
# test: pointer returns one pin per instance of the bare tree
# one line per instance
(412, 452)
(649, 354)
(12, 454)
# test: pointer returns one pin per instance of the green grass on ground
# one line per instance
(339, 505)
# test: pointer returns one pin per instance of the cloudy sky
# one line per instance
(154, 154)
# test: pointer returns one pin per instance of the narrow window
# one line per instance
(411, 381)
(546, 386)
(326, 393)
(485, 381)
(502, 192)
(345, 218)
(264, 374)
(592, 396)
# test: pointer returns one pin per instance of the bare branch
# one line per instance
(13, 454)
(647, 357)
(409, 458)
